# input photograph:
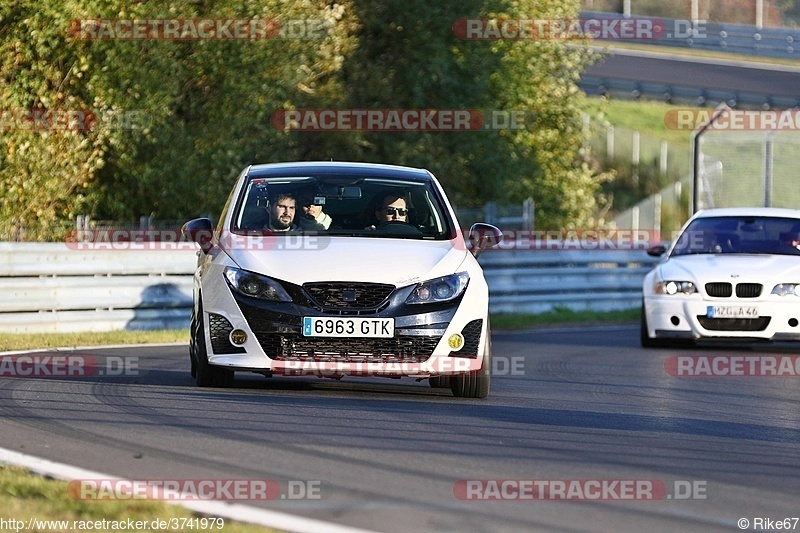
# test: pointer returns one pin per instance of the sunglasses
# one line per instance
(399, 210)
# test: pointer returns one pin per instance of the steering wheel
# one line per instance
(398, 227)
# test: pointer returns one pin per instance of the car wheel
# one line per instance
(439, 382)
(646, 340)
(207, 375)
(475, 384)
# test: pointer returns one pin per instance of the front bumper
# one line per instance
(276, 344)
(679, 317)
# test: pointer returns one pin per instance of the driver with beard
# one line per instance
(282, 209)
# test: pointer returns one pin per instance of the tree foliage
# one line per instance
(168, 124)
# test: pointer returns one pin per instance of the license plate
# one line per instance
(314, 326)
(731, 311)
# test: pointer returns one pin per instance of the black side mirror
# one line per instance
(657, 250)
(483, 237)
(200, 231)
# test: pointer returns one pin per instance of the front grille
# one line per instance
(472, 338)
(295, 347)
(748, 290)
(734, 324)
(719, 290)
(280, 336)
(349, 296)
(219, 330)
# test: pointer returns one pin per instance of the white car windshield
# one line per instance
(740, 235)
(341, 205)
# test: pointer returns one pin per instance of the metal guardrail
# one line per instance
(47, 287)
(681, 94)
(734, 38)
(536, 281)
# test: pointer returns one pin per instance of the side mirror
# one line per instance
(200, 231)
(483, 237)
(657, 250)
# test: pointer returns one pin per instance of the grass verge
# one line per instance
(563, 316)
(644, 116)
(31, 341)
(26, 497)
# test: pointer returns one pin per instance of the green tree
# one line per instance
(170, 123)
(409, 57)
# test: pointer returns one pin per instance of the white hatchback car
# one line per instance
(731, 274)
(332, 269)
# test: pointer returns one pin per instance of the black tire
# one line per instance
(439, 382)
(475, 384)
(207, 375)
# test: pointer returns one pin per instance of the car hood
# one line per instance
(702, 268)
(397, 262)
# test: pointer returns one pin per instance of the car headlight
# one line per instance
(674, 287)
(255, 285)
(439, 290)
(785, 289)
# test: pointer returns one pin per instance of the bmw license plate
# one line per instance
(314, 326)
(731, 311)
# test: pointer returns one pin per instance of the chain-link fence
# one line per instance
(746, 163)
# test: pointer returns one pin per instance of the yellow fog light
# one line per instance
(456, 341)
(238, 337)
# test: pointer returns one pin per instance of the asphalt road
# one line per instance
(707, 73)
(386, 455)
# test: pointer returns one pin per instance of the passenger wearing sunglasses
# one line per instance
(391, 212)
(393, 209)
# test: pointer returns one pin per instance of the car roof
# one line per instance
(749, 211)
(339, 167)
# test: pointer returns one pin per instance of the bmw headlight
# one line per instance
(785, 289)
(441, 289)
(674, 287)
(256, 285)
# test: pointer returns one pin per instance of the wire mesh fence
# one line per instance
(746, 168)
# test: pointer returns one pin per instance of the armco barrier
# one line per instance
(47, 287)
(51, 288)
(536, 281)
(719, 37)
